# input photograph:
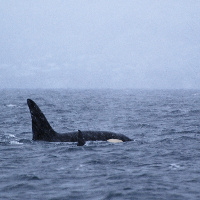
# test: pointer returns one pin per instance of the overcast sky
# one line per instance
(100, 44)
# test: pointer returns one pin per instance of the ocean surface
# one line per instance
(162, 161)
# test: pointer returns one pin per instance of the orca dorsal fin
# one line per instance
(80, 139)
(40, 126)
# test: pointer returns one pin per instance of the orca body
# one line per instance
(42, 130)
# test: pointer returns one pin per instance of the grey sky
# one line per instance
(100, 44)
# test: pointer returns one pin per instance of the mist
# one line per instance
(100, 44)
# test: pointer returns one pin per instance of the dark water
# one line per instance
(162, 161)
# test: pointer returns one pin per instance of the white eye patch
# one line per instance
(114, 140)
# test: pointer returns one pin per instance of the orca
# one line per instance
(42, 130)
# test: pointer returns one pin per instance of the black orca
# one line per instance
(42, 130)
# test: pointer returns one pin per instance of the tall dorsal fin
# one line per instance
(80, 139)
(40, 126)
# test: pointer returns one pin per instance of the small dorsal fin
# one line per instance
(80, 139)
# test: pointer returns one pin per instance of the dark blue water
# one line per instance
(162, 161)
